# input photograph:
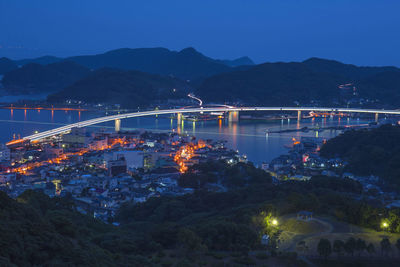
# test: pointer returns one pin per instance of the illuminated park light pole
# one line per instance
(385, 224)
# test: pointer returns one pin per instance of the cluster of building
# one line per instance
(303, 161)
(102, 170)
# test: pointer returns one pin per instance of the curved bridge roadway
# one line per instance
(67, 128)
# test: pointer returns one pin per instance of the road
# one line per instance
(67, 128)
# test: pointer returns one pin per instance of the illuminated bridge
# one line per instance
(232, 111)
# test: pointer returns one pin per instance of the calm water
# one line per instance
(246, 136)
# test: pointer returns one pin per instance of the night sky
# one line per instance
(362, 32)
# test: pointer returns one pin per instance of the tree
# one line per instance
(261, 222)
(371, 249)
(338, 247)
(350, 245)
(385, 245)
(373, 151)
(360, 246)
(398, 244)
(324, 247)
(189, 239)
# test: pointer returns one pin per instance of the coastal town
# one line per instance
(303, 161)
(200, 133)
(102, 170)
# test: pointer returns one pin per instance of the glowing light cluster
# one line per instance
(295, 141)
(185, 153)
(64, 156)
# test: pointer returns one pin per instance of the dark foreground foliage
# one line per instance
(37, 230)
(231, 220)
(369, 152)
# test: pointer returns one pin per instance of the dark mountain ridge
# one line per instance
(44, 60)
(242, 61)
(268, 84)
(309, 82)
(346, 70)
(313, 81)
(6, 65)
(188, 64)
(129, 88)
(36, 78)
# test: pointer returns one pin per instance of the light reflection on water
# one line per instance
(249, 137)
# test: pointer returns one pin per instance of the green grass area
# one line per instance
(303, 227)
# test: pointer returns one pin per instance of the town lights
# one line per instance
(185, 153)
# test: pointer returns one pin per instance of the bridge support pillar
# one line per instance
(233, 116)
(117, 125)
(179, 118)
(376, 117)
(299, 115)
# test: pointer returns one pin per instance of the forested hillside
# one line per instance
(35, 78)
(129, 88)
(314, 81)
(39, 231)
(369, 152)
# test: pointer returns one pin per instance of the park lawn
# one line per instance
(369, 237)
(303, 227)
(294, 231)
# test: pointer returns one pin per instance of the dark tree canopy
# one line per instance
(369, 152)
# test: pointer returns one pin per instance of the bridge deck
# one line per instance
(86, 123)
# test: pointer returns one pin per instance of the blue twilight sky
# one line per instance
(363, 32)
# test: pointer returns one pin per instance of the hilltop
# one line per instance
(242, 61)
